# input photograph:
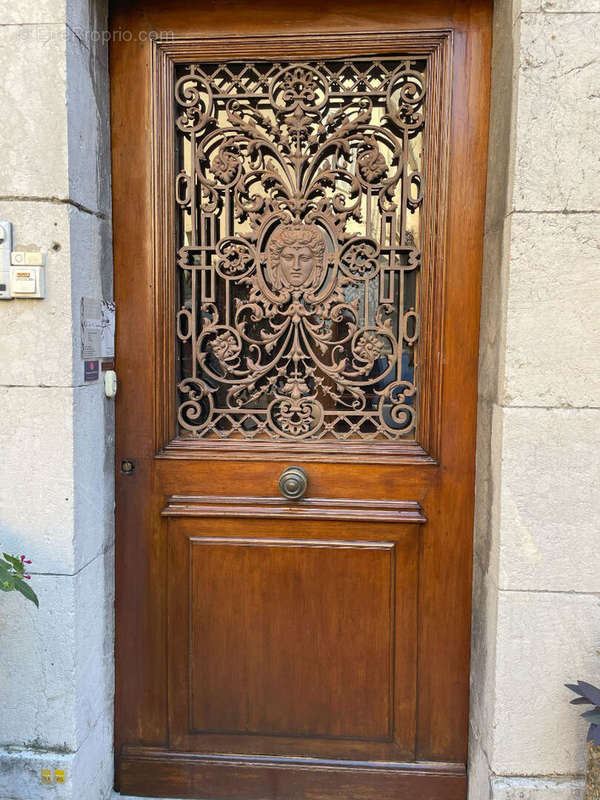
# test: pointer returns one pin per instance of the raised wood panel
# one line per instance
(293, 637)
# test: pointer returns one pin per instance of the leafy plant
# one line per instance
(589, 695)
(14, 577)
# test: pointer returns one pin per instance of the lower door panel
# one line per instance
(292, 640)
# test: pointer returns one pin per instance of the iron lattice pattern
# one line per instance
(299, 192)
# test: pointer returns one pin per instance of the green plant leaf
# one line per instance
(5, 573)
(7, 580)
(13, 561)
(26, 591)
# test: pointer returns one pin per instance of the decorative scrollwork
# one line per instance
(194, 97)
(299, 192)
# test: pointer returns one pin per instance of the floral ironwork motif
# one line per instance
(299, 189)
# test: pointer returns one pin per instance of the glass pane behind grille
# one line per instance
(299, 195)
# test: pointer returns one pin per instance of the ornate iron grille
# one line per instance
(299, 191)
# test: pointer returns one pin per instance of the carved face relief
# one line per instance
(296, 265)
(296, 257)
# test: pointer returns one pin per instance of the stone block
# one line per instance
(487, 489)
(544, 640)
(558, 113)
(37, 492)
(16, 12)
(570, 6)
(492, 331)
(550, 499)
(91, 259)
(33, 125)
(552, 324)
(79, 15)
(36, 336)
(94, 646)
(483, 639)
(501, 144)
(88, 772)
(20, 775)
(88, 20)
(92, 768)
(38, 667)
(93, 466)
(478, 772)
(537, 789)
(56, 497)
(57, 673)
(40, 344)
(88, 125)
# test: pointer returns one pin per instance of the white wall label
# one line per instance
(97, 328)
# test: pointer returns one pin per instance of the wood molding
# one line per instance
(403, 511)
(301, 45)
(436, 47)
(383, 452)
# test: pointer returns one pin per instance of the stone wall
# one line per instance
(536, 616)
(56, 432)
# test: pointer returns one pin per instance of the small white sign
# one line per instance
(97, 328)
(27, 282)
(23, 282)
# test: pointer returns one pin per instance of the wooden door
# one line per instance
(298, 212)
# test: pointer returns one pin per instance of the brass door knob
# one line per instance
(293, 483)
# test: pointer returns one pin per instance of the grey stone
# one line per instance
(89, 133)
(37, 492)
(550, 498)
(543, 640)
(553, 319)
(570, 6)
(93, 466)
(36, 336)
(537, 789)
(558, 113)
(57, 675)
(15, 12)
(33, 128)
